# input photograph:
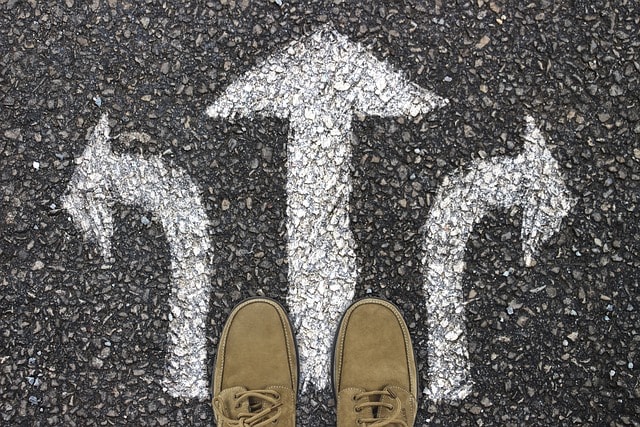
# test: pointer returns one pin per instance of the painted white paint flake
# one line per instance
(101, 179)
(318, 83)
(532, 181)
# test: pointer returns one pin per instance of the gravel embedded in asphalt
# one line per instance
(84, 342)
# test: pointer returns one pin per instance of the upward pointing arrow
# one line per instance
(317, 83)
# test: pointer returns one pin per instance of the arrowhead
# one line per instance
(548, 200)
(88, 197)
(325, 69)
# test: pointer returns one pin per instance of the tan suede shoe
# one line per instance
(374, 369)
(255, 381)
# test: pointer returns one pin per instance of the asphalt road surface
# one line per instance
(480, 168)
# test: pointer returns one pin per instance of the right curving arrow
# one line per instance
(532, 181)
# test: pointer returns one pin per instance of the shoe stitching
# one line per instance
(284, 321)
(223, 339)
(222, 351)
(401, 323)
(342, 331)
(407, 340)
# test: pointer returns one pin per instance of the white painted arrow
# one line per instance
(101, 179)
(532, 181)
(317, 83)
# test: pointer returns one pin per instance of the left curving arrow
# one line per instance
(102, 178)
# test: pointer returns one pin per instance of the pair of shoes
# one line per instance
(255, 381)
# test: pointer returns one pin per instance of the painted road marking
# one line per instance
(317, 83)
(532, 181)
(102, 178)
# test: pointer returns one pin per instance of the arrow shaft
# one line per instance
(460, 203)
(321, 256)
(175, 199)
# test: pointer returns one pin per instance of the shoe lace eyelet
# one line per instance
(358, 409)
